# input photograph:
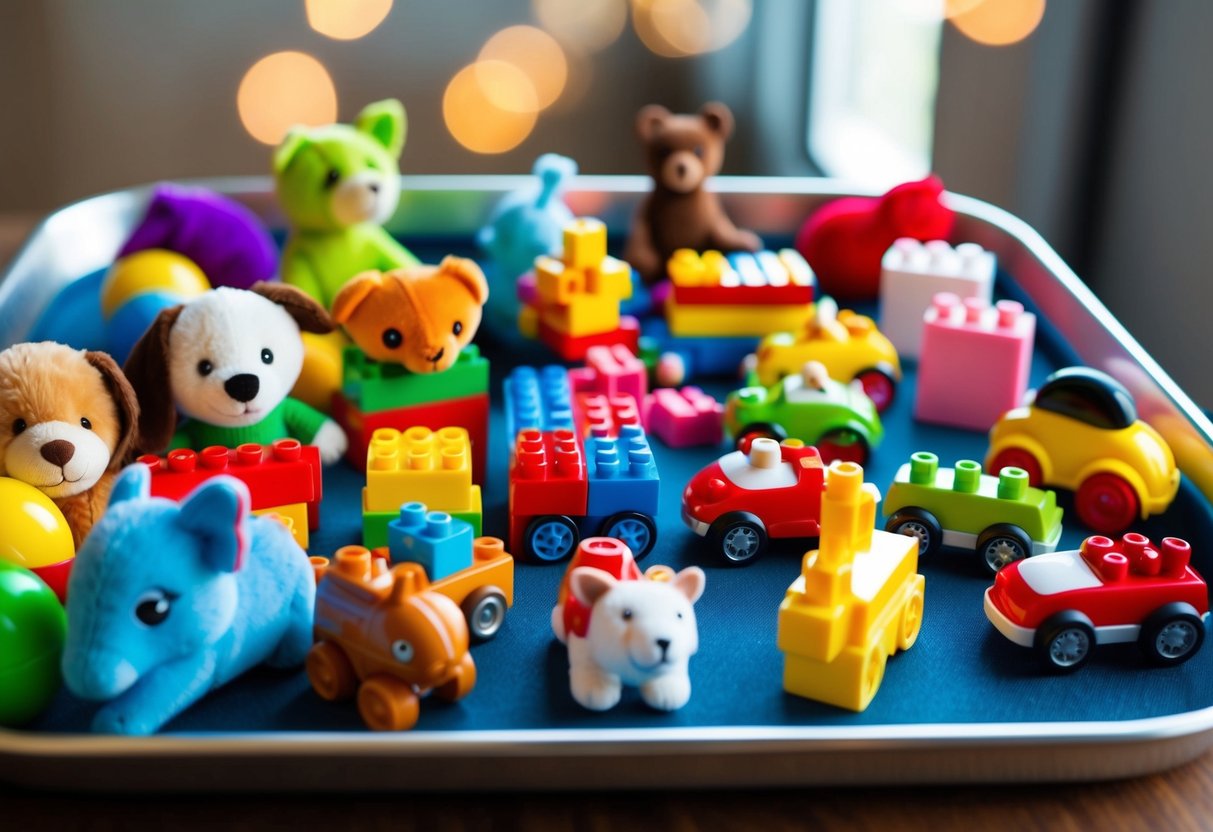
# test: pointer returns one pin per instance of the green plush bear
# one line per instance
(337, 184)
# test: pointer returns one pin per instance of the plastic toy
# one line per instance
(911, 274)
(682, 152)
(975, 361)
(137, 287)
(765, 278)
(35, 535)
(420, 316)
(389, 637)
(845, 239)
(685, 418)
(858, 600)
(848, 344)
(538, 399)
(379, 386)
(611, 370)
(226, 361)
(622, 628)
(742, 500)
(1081, 432)
(69, 422)
(32, 630)
(149, 635)
(1002, 518)
(839, 419)
(1063, 604)
(601, 415)
(678, 358)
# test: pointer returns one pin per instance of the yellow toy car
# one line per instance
(1081, 432)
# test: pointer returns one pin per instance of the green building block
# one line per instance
(374, 525)
(375, 386)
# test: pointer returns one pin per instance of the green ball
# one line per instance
(33, 627)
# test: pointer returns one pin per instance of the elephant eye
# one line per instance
(392, 338)
(457, 329)
(331, 179)
(153, 606)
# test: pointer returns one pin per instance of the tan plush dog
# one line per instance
(68, 421)
(421, 316)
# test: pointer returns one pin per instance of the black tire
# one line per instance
(1065, 641)
(759, 430)
(1001, 544)
(634, 528)
(920, 523)
(738, 538)
(484, 609)
(1172, 634)
(550, 539)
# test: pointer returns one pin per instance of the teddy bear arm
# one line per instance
(302, 421)
(158, 696)
(391, 253)
(726, 236)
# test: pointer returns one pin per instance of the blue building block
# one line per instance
(622, 474)
(434, 539)
(541, 399)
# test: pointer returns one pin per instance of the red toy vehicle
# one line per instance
(1064, 603)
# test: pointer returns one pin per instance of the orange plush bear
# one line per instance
(418, 316)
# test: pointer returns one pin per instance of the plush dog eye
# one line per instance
(402, 651)
(331, 178)
(153, 606)
(205, 367)
(267, 357)
(392, 338)
(627, 615)
(18, 426)
(85, 423)
(457, 329)
(679, 616)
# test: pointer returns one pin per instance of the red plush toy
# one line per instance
(844, 240)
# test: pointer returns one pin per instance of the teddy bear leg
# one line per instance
(591, 686)
(156, 698)
(320, 377)
(667, 692)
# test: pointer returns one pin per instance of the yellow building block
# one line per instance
(293, 516)
(754, 320)
(474, 504)
(584, 315)
(687, 267)
(558, 283)
(585, 243)
(528, 322)
(433, 467)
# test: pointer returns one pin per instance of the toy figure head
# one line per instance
(684, 150)
(338, 175)
(529, 222)
(66, 417)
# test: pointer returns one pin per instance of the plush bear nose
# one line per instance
(681, 169)
(374, 187)
(436, 357)
(58, 452)
(664, 644)
(243, 388)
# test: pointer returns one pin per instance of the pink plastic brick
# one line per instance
(685, 418)
(611, 370)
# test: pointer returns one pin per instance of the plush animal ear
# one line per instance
(589, 584)
(147, 371)
(124, 399)
(718, 118)
(134, 482)
(353, 293)
(649, 120)
(296, 139)
(385, 122)
(216, 512)
(301, 306)
(469, 274)
(690, 582)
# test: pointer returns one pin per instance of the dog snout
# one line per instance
(434, 358)
(58, 452)
(242, 387)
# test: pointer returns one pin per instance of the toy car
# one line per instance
(838, 419)
(848, 344)
(1081, 432)
(1002, 518)
(1063, 604)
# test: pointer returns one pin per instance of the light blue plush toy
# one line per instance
(167, 601)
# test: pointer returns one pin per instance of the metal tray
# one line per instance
(583, 752)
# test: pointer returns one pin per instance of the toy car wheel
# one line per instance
(330, 672)
(880, 386)
(1064, 641)
(843, 444)
(635, 529)
(739, 537)
(911, 621)
(759, 430)
(1018, 458)
(1172, 635)
(388, 704)
(919, 523)
(1002, 544)
(484, 610)
(873, 674)
(1106, 503)
(551, 538)
(463, 682)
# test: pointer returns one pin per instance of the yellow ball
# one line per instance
(151, 270)
(33, 532)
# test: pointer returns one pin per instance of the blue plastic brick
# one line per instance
(703, 355)
(622, 474)
(540, 399)
(434, 539)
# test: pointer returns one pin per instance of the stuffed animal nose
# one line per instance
(664, 644)
(58, 452)
(243, 388)
(436, 357)
(681, 169)
(374, 187)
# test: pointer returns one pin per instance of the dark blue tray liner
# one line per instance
(960, 670)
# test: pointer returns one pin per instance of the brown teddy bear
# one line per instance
(68, 422)
(418, 316)
(682, 151)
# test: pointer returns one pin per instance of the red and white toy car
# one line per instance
(1064, 603)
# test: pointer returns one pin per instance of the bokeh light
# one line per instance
(346, 19)
(473, 114)
(583, 25)
(282, 90)
(535, 53)
(951, 8)
(1000, 22)
(681, 28)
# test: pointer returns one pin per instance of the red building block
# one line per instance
(548, 476)
(575, 349)
(685, 418)
(611, 370)
(601, 415)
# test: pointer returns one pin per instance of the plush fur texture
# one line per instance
(420, 317)
(682, 152)
(150, 634)
(68, 421)
(641, 633)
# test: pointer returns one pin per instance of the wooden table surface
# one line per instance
(1179, 799)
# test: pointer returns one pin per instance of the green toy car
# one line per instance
(837, 418)
(1002, 518)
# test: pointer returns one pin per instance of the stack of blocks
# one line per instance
(611, 370)
(442, 544)
(538, 399)
(741, 294)
(912, 273)
(600, 415)
(975, 361)
(418, 465)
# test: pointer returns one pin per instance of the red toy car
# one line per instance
(1064, 603)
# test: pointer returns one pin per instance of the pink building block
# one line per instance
(974, 362)
(685, 418)
(611, 370)
(602, 415)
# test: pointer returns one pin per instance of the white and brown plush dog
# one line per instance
(68, 420)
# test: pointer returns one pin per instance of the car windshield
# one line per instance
(1089, 397)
